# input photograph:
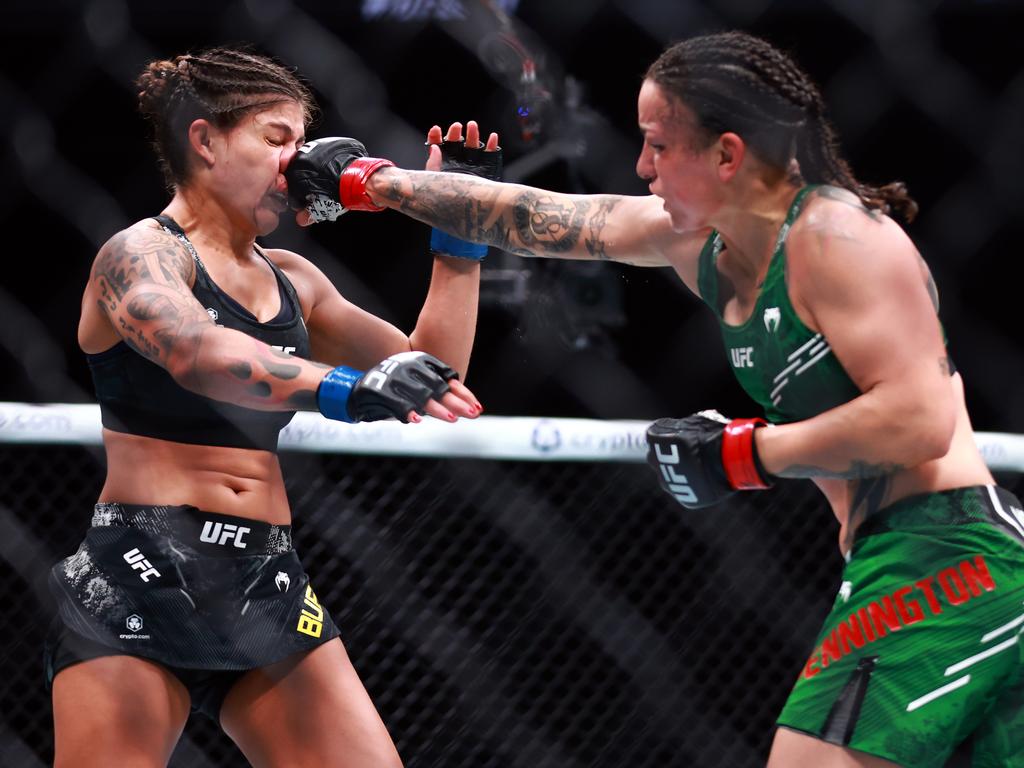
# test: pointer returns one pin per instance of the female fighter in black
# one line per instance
(186, 590)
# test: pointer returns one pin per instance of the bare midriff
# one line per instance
(230, 481)
(962, 466)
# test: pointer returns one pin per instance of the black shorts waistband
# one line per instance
(208, 532)
(957, 506)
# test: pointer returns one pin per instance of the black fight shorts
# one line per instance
(208, 596)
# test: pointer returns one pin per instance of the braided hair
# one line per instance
(221, 85)
(740, 83)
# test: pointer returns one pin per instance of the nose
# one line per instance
(286, 157)
(287, 153)
(645, 165)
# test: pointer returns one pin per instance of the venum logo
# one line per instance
(772, 318)
(845, 590)
(222, 533)
(138, 561)
(282, 581)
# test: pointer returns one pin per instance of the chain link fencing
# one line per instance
(502, 614)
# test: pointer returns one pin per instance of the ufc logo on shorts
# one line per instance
(222, 533)
(677, 484)
(138, 561)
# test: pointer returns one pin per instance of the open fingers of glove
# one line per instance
(439, 411)
(472, 134)
(461, 391)
(450, 407)
(462, 407)
(434, 135)
(434, 158)
(492, 143)
(454, 132)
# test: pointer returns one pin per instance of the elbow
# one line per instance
(185, 372)
(184, 363)
(933, 443)
(942, 433)
(932, 436)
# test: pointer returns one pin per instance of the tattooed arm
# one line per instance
(536, 222)
(141, 281)
(856, 278)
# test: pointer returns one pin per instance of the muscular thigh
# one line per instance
(798, 749)
(117, 710)
(919, 648)
(309, 710)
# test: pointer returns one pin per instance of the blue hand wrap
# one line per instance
(334, 390)
(442, 242)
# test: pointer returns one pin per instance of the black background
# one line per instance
(519, 613)
(929, 93)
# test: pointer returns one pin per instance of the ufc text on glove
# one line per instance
(392, 388)
(705, 458)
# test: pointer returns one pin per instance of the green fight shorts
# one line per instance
(921, 653)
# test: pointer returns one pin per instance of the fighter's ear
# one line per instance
(200, 139)
(729, 157)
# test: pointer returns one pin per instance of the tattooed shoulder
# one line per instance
(142, 254)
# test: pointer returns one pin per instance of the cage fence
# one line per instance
(502, 612)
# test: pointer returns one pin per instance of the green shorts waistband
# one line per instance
(957, 506)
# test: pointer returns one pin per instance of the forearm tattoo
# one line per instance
(869, 488)
(270, 377)
(858, 470)
(534, 223)
(143, 279)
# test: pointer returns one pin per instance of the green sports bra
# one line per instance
(786, 367)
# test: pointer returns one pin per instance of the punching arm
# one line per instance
(528, 221)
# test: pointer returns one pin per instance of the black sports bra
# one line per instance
(139, 397)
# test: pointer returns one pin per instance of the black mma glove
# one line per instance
(328, 177)
(705, 458)
(395, 386)
(456, 157)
